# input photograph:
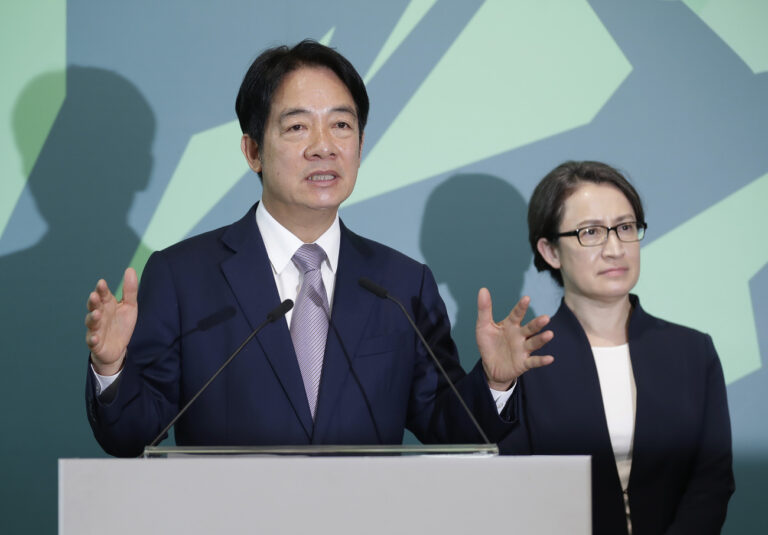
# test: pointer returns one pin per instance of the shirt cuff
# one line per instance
(104, 381)
(500, 397)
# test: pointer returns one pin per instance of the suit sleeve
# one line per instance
(145, 397)
(703, 505)
(447, 421)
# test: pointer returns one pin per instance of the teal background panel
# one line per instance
(118, 136)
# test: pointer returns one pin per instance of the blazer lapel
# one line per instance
(352, 306)
(579, 372)
(650, 402)
(249, 274)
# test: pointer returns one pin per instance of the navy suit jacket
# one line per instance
(260, 398)
(682, 475)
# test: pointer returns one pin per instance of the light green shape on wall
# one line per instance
(408, 20)
(698, 274)
(209, 167)
(32, 42)
(696, 5)
(326, 39)
(742, 24)
(506, 81)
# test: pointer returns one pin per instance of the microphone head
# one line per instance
(280, 310)
(375, 289)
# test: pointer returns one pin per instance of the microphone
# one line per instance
(274, 315)
(374, 288)
(380, 291)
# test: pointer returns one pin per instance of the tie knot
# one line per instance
(309, 257)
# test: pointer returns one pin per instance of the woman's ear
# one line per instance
(548, 252)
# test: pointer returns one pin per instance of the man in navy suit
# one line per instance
(303, 112)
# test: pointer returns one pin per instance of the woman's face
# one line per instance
(604, 272)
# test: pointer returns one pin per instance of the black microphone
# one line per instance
(374, 288)
(380, 291)
(274, 315)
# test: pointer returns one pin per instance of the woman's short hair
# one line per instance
(545, 211)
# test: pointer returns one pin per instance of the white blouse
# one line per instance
(617, 386)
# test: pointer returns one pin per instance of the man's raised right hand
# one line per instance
(110, 324)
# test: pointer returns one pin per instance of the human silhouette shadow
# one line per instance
(473, 235)
(95, 158)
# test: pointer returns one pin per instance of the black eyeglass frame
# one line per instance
(640, 225)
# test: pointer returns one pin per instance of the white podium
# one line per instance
(443, 494)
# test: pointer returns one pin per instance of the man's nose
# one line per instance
(321, 144)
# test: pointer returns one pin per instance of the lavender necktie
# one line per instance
(309, 323)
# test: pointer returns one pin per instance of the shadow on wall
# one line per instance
(475, 234)
(745, 513)
(96, 157)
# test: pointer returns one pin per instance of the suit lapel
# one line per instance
(249, 274)
(351, 308)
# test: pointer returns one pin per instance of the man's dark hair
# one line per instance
(267, 71)
(545, 211)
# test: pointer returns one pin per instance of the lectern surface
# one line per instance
(290, 495)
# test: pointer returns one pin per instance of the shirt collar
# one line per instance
(281, 244)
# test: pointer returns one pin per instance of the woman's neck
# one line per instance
(604, 322)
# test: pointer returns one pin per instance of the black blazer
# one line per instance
(682, 474)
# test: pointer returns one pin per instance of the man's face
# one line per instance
(311, 151)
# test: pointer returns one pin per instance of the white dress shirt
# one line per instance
(281, 244)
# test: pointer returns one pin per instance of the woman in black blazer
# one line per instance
(644, 397)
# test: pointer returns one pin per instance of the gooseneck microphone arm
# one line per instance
(357, 380)
(381, 292)
(278, 312)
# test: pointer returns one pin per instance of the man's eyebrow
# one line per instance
(345, 109)
(291, 112)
